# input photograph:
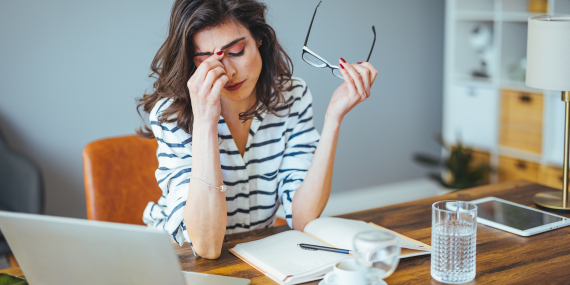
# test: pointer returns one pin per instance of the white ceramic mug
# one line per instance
(347, 272)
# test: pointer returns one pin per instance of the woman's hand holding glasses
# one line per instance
(358, 80)
(205, 87)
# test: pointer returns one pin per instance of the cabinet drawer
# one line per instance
(551, 176)
(521, 120)
(513, 169)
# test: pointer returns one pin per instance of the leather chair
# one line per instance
(119, 179)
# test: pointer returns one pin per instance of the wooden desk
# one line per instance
(502, 258)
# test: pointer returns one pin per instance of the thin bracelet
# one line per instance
(222, 187)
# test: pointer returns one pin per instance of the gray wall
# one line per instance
(70, 71)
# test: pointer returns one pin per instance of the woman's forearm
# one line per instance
(205, 212)
(311, 198)
(313, 194)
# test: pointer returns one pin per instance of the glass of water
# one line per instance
(379, 252)
(453, 241)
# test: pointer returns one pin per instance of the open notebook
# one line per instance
(280, 258)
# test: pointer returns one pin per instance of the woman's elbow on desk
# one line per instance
(208, 251)
(300, 221)
(208, 245)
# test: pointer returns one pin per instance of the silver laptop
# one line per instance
(56, 250)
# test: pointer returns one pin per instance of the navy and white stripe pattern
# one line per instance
(277, 157)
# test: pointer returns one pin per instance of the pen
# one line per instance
(318, 247)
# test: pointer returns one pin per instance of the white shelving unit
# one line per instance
(472, 105)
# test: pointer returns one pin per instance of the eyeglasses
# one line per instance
(315, 60)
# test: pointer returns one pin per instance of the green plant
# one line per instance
(457, 170)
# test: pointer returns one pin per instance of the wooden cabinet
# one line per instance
(513, 169)
(521, 120)
(551, 176)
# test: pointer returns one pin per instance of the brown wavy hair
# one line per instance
(173, 64)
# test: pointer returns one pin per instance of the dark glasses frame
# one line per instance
(306, 50)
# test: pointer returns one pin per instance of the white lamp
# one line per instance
(548, 67)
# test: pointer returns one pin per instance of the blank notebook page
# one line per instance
(281, 252)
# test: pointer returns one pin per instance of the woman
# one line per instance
(226, 111)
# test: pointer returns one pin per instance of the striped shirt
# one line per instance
(277, 157)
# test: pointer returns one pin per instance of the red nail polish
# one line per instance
(359, 62)
(342, 59)
(220, 53)
(341, 66)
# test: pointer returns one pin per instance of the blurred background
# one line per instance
(71, 72)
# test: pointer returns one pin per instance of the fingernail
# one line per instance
(342, 59)
(359, 62)
(220, 53)
(341, 65)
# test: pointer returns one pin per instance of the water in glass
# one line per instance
(453, 241)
